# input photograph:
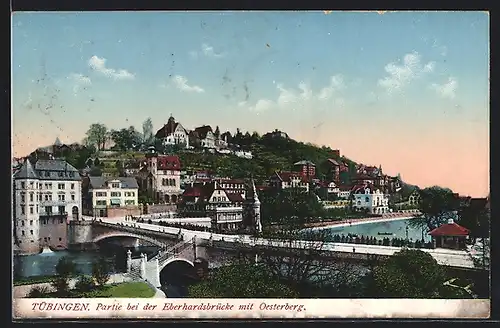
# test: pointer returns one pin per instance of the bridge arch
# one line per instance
(128, 235)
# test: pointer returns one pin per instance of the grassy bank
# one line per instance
(33, 280)
(120, 290)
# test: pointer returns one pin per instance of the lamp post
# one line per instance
(407, 231)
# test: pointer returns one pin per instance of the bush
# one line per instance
(39, 292)
(61, 285)
(65, 267)
(100, 271)
(84, 284)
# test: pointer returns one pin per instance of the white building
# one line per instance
(286, 180)
(205, 137)
(173, 133)
(105, 196)
(44, 194)
(371, 200)
(162, 177)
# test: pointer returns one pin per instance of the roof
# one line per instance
(333, 162)
(345, 187)
(169, 162)
(57, 142)
(26, 171)
(168, 129)
(287, 176)
(52, 169)
(234, 197)
(450, 229)
(100, 182)
(231, 181)
(202, 131)
(363, 177)
(193, 192)
(304, 162)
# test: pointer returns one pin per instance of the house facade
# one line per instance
(369, 199)
(46, 195)
(307, 168)
(173, 133)
(286, 180)
(204, 137)
(111, 197)
(161, 177)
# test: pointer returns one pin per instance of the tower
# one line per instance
(26, 220)
(251, 209)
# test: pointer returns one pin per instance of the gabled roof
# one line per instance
(333, 162)
(450, 229)
(169, 162)
(100, 182)
(202, 131)
(26, 171)
(234, 197)
(168, 129)
(287, 176)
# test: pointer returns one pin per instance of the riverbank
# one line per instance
(351, 222)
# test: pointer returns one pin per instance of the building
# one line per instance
(333, 169)
(111, 197)
(369, 199)
(307, 168)
(161, 177)
(225, 208)
(251, 209)
(44, 193)
(204, 137)
(328, 190)
(285, 180)
(414, 199)
(344, 191)
(173, 133)
(276, 134)
(450, 235)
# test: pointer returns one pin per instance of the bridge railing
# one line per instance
(163, 256)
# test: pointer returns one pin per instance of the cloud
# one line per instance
(207, 51)
(302, 96)
(400, 75)
(448, 89)
(99, 65)
(181, 83)
(80, 82)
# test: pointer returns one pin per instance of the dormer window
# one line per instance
(47, 173)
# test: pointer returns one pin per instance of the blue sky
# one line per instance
(318, 77)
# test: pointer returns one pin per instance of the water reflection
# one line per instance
(397, 228)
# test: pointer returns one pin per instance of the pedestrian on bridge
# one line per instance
(354, 250)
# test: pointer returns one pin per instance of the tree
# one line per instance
(147, 131)
(411, 273)
(84, 284)
(100, 271)
(97, 135)
(437, 205)
(65, 268)
(241, 280)
(217, 132)
(126, 139)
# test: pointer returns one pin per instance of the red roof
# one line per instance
(450, 229)
(192, 192)
(169, 162)
(234, 197)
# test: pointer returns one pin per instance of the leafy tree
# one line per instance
(147, 131)
(241, 280)
(84, 284)
(437, 205)
(65, 268)
(217, 131)
(100, 271)
(411, 273)
(97, 135)
(126, 139)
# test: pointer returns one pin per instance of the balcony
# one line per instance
(53, 202)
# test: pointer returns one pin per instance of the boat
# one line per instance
(385, 233)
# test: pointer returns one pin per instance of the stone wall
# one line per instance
(80, 234)
(114, 212)
(54, 234)
(160, 208)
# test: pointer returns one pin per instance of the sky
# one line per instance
(405, 90)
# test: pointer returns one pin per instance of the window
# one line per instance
(129, 202)
(115, 194)
(62, 209)
(31, 210)
(72, 197)
(22, 210)
(22, 223)
(22, 232)
(61, 197)
(367, 199)
(48, 210)
(60, 238)
(23, 185)
(47, 173)
(72, 186)
(61, 174)
(115, 185)
(61, 220)
(100, 194)
(31, 232)
(31, 185)
(31, 222)
(100, 202)
(45, 239)
(60, 186)
(23, 198)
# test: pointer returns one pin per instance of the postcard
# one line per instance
(316, 164)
